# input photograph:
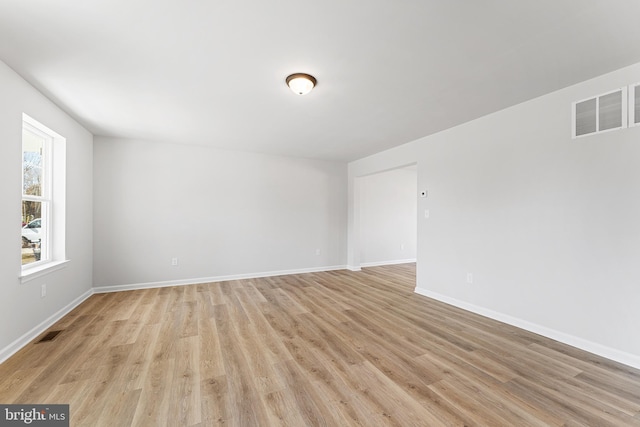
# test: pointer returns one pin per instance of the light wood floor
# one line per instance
(325, 349)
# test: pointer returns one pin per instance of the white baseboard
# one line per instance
(590, 346)
(392, 262)
(25, 339)
(184, 282)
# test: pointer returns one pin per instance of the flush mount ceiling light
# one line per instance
(301, 83)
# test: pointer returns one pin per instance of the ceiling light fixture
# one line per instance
(301, 83)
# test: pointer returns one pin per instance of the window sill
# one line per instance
(42, 270)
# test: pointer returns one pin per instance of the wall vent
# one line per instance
(600, 113)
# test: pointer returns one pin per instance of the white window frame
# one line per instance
(45, 194)
(632, 104)
(623, 107)
(53, 194)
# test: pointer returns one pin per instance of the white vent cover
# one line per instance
(600, 113)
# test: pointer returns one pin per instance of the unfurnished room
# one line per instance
(342, 213)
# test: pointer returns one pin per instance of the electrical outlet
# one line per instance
(43, 290)
(318, 251)
(174, 262)
(402, 247)
(426, 213)
(469, 278)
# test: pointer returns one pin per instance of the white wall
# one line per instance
(549, 226)
(21, 308)
(221, 213)
(388, 228)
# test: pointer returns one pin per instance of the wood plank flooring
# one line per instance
(324, 349)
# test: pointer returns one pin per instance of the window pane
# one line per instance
(32, 163)
(33, 231)
(636, 109)
(586, 117)
(611, 111)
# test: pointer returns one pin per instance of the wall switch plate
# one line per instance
(426, 213)
(174, 261)
(318, 251)
(469, 278)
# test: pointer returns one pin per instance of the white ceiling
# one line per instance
(211, 72)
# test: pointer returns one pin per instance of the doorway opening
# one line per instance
(387, 217)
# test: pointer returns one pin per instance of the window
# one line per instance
(634, 105)
(43, 192)
(601, 113)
